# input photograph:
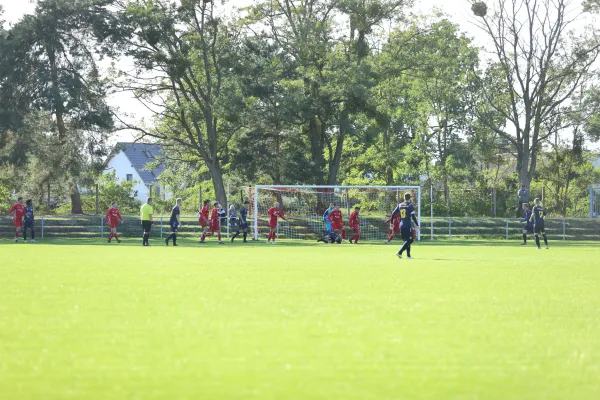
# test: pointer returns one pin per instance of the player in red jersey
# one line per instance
(113, 217)
(214, 224)
(394, 222)
(204, 221)
(274, 214)
(17, 212)
(354, 223)
(337, 224)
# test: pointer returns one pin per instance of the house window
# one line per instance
(129, 177)
(157, 191)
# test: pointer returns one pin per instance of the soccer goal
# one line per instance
(304, 206)
(595, 201)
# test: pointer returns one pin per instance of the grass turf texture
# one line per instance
(469, 320)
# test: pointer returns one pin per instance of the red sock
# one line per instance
(116, 236)
(219, 236)
(343, 234)
(110, 237)
(17, 234)
(274, 236)
(202, 237)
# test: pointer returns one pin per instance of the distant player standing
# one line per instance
(242, 223)
(394, 229)
(17, 212)
(325, 215)
(28, 221)
(406, 210)
(214, 225)
(528, 228)
(204, 221)
(113, 217)
(146, 212)
(537, 216)
(337, 224)
(354, 223)
(174, 223)
(274, 214)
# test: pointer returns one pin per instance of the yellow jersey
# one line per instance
(146, 212)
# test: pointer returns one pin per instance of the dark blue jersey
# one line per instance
(174, 213)
(28, 213)
(527, 220)
(406, 211)
(243, 215)
(538, 215)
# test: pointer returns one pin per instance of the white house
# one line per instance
(130, 162)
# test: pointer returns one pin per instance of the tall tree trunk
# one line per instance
(58, 101)
(334, 165)
(76, 204)
(218, 184)
(316, 149)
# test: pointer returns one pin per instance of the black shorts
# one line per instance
(406, 234)
(174, 226)
(28, 224)
(539, 227)
(147, 226)
(528, 229)
(243, 226)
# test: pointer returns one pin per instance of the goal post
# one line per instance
(304, 205)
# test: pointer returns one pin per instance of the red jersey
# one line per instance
(395, 220)
(214, 215)
(354, 221)
(335, 217)
(18, 210)
(275, 213)
(113, 215)
(204, 214)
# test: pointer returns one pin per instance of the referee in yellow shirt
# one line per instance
(146, 215)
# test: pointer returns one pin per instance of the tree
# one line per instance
(48, 67)
(184, 55)
(537, 67)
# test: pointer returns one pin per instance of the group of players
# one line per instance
(401, 221)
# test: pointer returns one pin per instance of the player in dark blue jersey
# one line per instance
(528, 228)
(28, 221)
(242, 223)
(406, 210)
(537, 217)
(174, 223)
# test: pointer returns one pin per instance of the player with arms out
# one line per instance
(537, 217)
(242, 223)
(354, 223)
(337, 223)
(174, 223)
(28, 221)
(17, 212)
(394, 229)
(528, 228)
(204, 221)
(113, 217)
(406, 210)
(274, 214)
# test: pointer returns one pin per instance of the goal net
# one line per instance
(304, 206)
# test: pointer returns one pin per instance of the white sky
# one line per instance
(458, 10)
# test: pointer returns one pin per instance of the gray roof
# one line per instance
(140, 154)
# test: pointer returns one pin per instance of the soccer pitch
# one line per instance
(462, 320)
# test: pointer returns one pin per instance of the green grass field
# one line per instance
(468, 320)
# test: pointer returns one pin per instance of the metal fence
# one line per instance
(431, 229)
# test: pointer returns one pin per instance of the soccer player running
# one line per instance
(274, 214)
(406, 210)
(537, 216)
(146, 212)
(204, 221)
(17, 212)
(113, 217)
(174, 223)
(242, 223)
(394, 222)
(354, 223)
(528, 228)
(29, 221)
(337, 224)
